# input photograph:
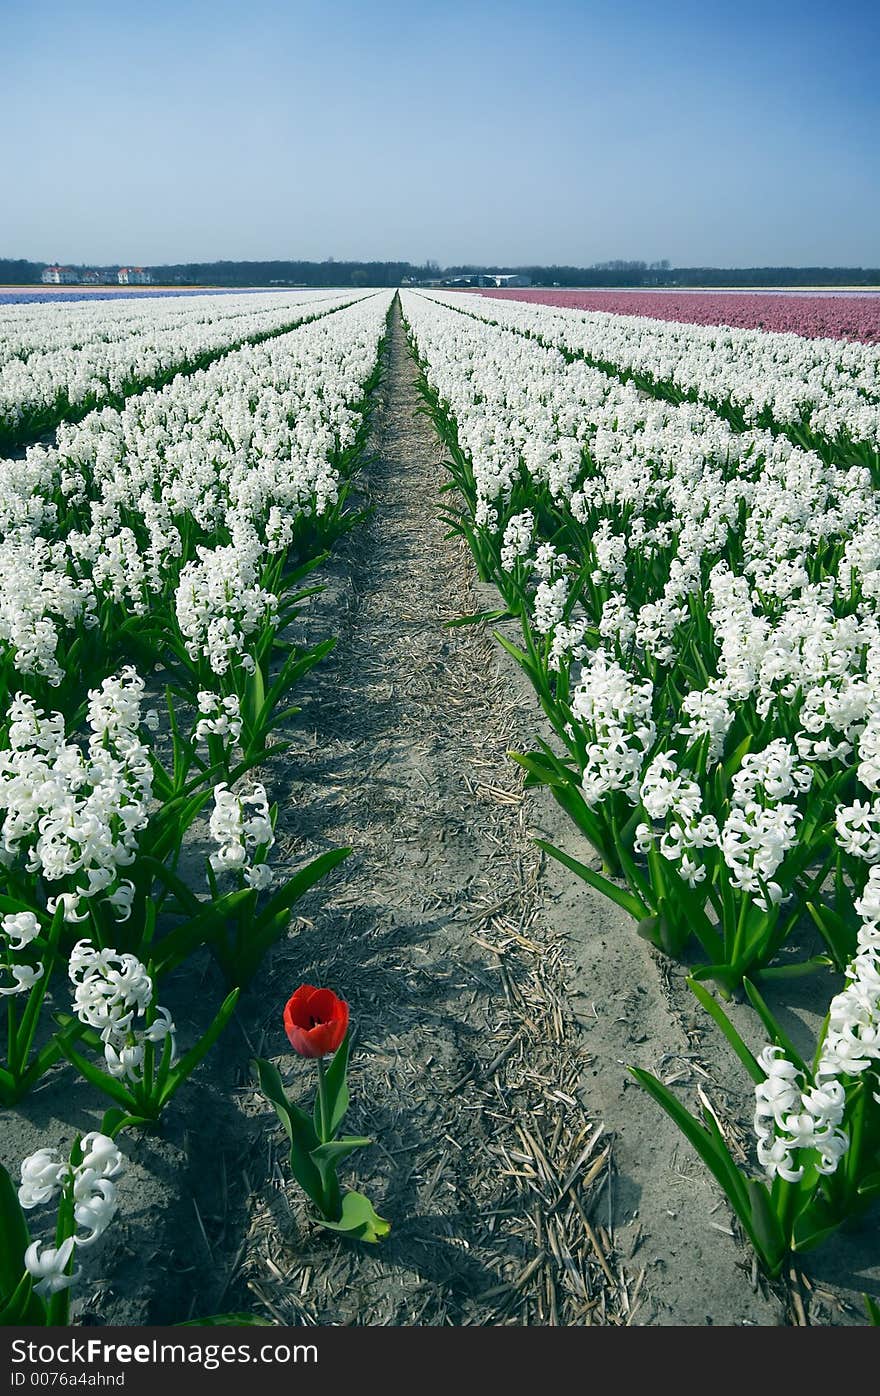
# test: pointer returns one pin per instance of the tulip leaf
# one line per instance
(327, 1158)
(272, 1088)
(304, 1170)
(298, 1128)
(359, 1220)
(336, 1086)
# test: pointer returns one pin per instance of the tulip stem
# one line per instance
(322, 1101)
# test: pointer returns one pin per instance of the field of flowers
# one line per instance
(817, 316)
(102, 352)
(697, 597)
(154, 558)
(677, 524)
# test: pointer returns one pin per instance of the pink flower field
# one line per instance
(831, 315)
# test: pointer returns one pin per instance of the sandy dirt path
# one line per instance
(464, 1073)
(485, 1096)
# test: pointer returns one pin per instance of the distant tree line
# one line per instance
(19, 271)
(15, 271)
(635, 274)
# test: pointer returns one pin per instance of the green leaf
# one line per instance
(188, 1063)
(167, 827)
(295, 668)
(11, 905)
(298, 1128)
(770, 1241)
(304, 1170)
(799, 970)
(23, 1306)
(616, 894)
(772, 1026)
(711, 1149)
(715, 1011)
(540, 768)
(328, 1156)
(475, 619)
(199, 930)
(272, 1088)
(721, 973)
(359, 1220)
(115, 1120)
(14, 1236)
(300, 883)
(336, 1085)
(174, 884)
(734, 760)
(100, 1079)
(519, 655)
(869, 1187)
(837, 934)
(814, 1225)
(254, 697)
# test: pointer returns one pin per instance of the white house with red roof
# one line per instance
(59, 276)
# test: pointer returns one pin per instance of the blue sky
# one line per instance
(708, 133)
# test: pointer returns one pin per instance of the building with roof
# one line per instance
(134, 276)
(59, 276)
(484, 278)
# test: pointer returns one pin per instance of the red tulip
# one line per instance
(315, 1020)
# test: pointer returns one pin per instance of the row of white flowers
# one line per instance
(829, 385)
(193, 513)
(35, 327)
(83, 355)
(704, 603)
(243, 446)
